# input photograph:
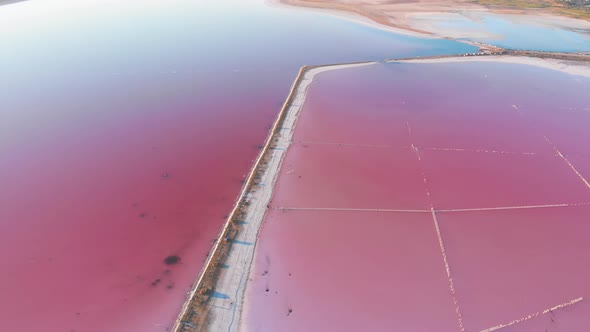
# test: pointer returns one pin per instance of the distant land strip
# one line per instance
(6, 2)
(583, 56)
(396, 13)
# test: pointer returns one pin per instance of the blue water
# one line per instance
(133, 35)
(523, 36)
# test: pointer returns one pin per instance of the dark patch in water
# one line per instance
(172, 260)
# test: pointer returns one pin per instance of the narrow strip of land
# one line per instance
(533, 315)
(216, 301)
(574, 64)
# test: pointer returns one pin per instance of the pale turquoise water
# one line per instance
(523, 35)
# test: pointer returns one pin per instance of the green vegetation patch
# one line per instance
(583, 13)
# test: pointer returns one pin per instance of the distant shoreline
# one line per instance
(575, 65)
(409, 17)
(353, 16)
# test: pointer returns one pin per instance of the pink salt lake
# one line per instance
(457, 139)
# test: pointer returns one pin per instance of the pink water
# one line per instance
(318, 176)
(414, 136)
(349, 271)
(93, 219)
(460, 180)
(509, 264)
